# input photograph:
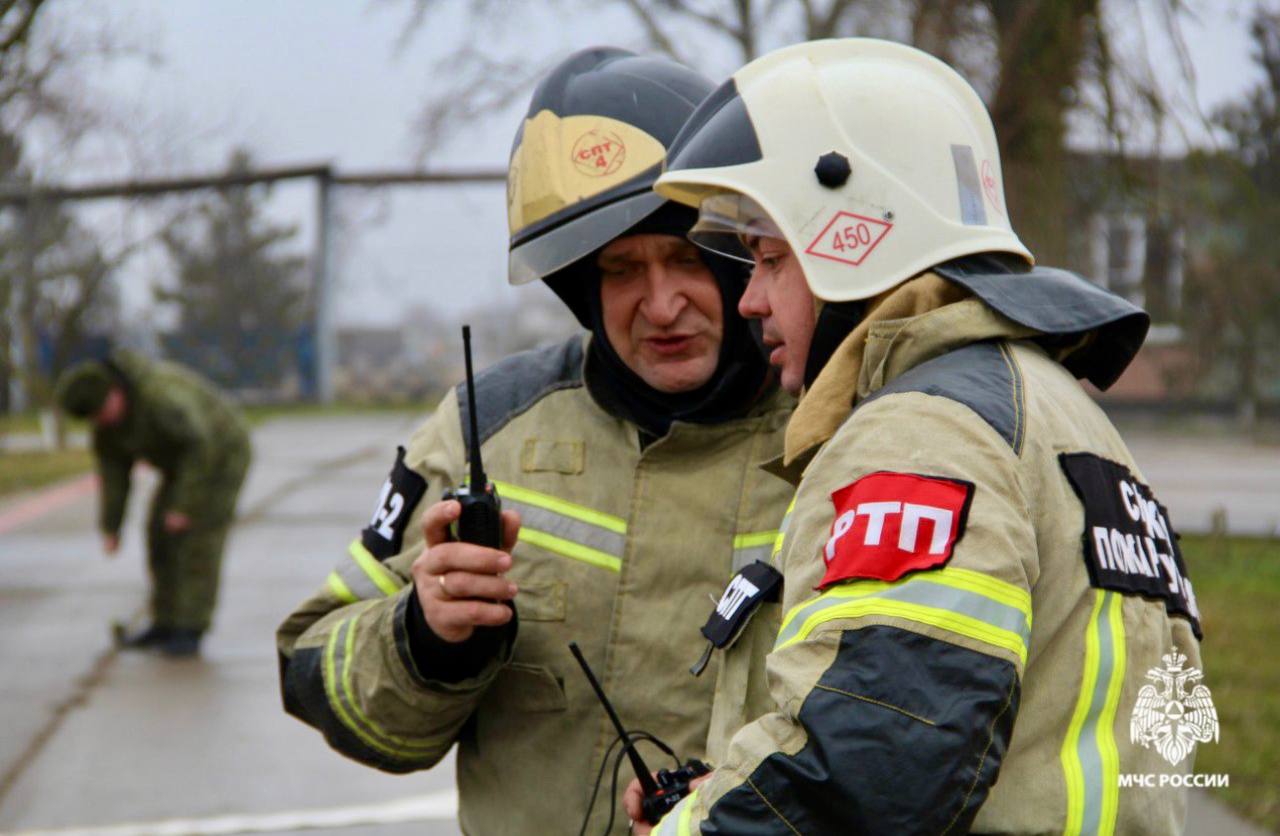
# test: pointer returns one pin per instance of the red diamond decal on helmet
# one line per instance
(849, 238)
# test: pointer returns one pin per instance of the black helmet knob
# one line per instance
(832, 169)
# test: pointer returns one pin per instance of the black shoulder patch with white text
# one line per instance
(753, 584)
(1129, 545)
(401, 493)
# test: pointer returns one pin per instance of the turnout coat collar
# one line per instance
(1094, 333)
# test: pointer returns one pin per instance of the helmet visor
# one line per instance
(561, 246)
(727, 223)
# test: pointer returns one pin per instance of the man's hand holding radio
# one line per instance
(462, 586)
(633, 799)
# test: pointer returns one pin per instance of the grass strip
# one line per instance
(1237, 583)
(29, 470)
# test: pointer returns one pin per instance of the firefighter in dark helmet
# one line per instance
(629, 455)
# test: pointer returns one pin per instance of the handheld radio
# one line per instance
(659, 795)
(481, 519)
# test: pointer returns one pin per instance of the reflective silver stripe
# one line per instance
(922, 591)
(786, 518)
(745, 557)
(567, 528)
(360, 584)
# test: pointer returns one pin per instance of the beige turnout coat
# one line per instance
(620, 549)
(1000, 685)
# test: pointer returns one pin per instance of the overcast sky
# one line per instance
(300, 81)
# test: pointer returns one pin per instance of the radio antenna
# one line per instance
(478, 479)
(647, 784)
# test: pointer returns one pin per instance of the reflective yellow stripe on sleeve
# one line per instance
(339, 652)
(960, 601)
(340, 589)
(1090, 758)
(782, 529)
(365, 577)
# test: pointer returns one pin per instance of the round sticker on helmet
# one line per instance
(598, 153)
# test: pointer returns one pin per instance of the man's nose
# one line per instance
(754, 303)
(664, 297)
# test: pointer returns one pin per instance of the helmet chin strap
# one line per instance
(836, 320)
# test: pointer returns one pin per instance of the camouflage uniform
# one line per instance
(181, 425)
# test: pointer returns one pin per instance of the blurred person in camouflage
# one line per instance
(177, 421)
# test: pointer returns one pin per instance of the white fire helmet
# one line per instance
(873, 160)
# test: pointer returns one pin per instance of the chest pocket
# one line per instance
(523, 687)
(541, 455)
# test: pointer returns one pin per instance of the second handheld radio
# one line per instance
(658, 795)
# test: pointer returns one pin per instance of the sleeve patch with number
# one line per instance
(400, 494)
(889, 524)
(1129, 545)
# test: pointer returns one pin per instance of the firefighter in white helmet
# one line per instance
(976, 578)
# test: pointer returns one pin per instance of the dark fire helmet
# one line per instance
(586, 156)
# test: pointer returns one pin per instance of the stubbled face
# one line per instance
(662, 310)
(779, 297)
(113, 408)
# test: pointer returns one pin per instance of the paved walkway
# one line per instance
(1196, 477)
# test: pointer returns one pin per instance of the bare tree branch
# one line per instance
(746, 33)
(417, 18)
(478, 85)
(15, 31)
(810, 17)
(657, 38)
(740, 30)
(1038, 65)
